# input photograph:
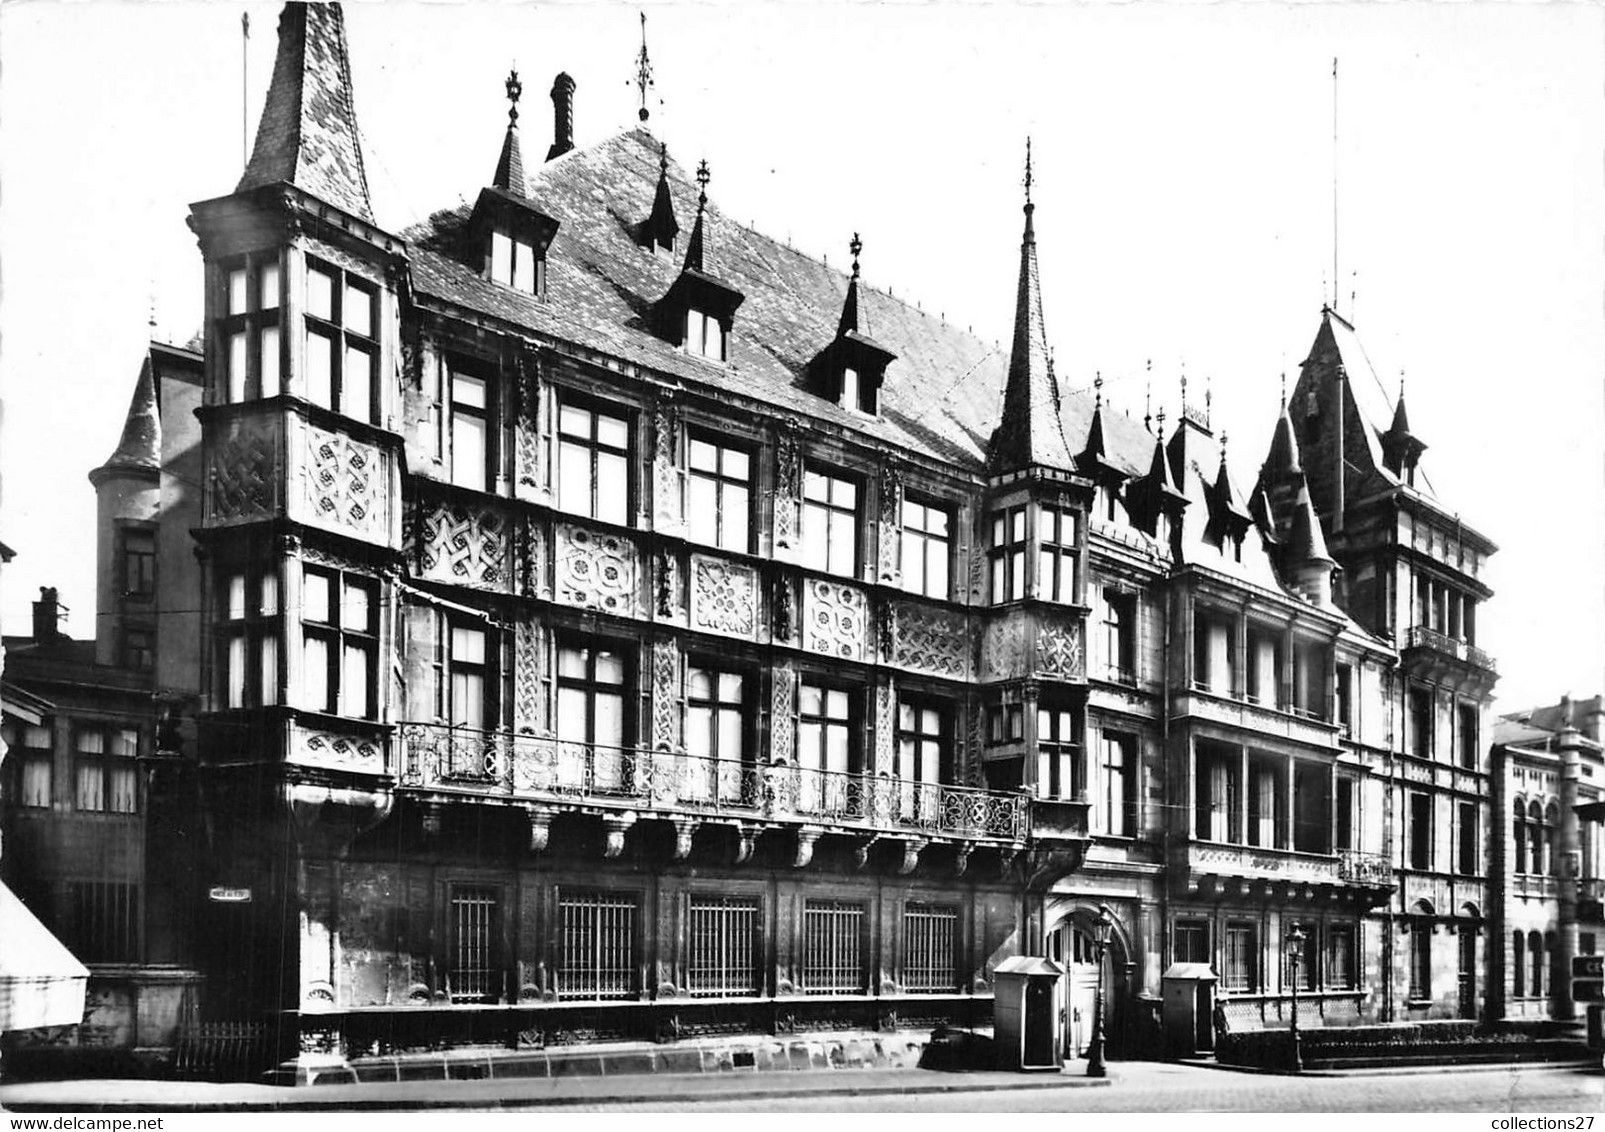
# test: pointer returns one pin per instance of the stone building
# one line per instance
(615, 617)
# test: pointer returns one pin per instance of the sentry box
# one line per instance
(1028, 1013)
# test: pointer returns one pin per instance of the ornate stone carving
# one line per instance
(784, 616)
(1059, 651)
(527, 677)
(464, 545)
(962, 861)
(974, 763)
(345, 752)
(834, 619)
(932, 640)
(527, 440)
(665, 693)
(885, 726)
(665, 467)
(540, 826)
(782, 711)
(724, 596)
(244, 472)
(614, 827)
(747, 834)
(911, 854)
(684, 830)
(346, 486)
(596, 570)
(861, 850)
(665, 584)
(886, 629)
(977, 573)
(531, 557)
(891, 516)
(1003, 649)
(805, 847)
(788, 486)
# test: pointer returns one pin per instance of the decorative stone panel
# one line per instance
(597, 570)
(889, 537)
(531, 558)
(934, 641)
(1059, 654)
(666, 514)
(336, 752)
(346, 485)
(526, 440)
(1003, 648)
(244, 472)
(527, 715)
(835, 619)
(885, 727)
(464, 545)
(783, 714)
(724, 596)
(665, 692)
(788, 488)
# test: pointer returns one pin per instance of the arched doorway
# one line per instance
(1072, 942)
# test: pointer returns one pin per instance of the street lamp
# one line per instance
(1101, 934)
(1295, 952)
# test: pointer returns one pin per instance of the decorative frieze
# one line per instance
(531, 557)
(336, 752)
(596, 570)
(835, 619)
(345, 484)
(463, 545)
(935, 641)
(244, 471)
(724, 596)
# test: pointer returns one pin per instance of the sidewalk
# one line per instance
(171, 1096)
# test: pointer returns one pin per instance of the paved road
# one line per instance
(1176, 1088)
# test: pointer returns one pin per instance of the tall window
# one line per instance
(1421, 722)
(1242, 958)
(930, 962)
(829, 523)
(716, 732)
(139, 563)
(475, 943)
(1218, 782)
(1466, 863)
(1466, 733)
(1518, 964)
(1190, 942)
(926, 546)
(516, 263)
(1117, 797)
(1006, 558)
(1120, 636)
(106, 772)
(31, 752)
(593, 706)
(139, 649)
(704, 336)
(470, 431)
(1535, 964)
(104, 918)
(1057, 539)
(1345, 698)
(250, 329)
(832, 947)
(1264, 667)
(1518, 830)
(1060, 773)
(724, 947)
(342, 342)
(924, 751)
(1214, 652)
(1537, 837)
(720, 505)
(826, 748)
(340, 643)
(250, 638)
(593, 463)
(1344, 813)
(1420, 831)
(1267, 806)
(1340, 970)
(596, 956)
(462, 675)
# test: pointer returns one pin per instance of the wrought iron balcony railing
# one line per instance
(540, 768)
(1364, 868)
(1421, 637)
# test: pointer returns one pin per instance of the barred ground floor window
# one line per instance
(597, 946)
(832, 947)
(723, 944)
(930, 956)
(475, 935)
(104, 921)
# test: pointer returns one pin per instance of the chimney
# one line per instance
(47, 613)
(562, 115)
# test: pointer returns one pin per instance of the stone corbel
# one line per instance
(749, 841)
(911, 854)
(805, 847)
(962, 861)
(615, 826)
(684, 830)
(1006, 862)
(540, 827)
(433, 812)
(861, 854)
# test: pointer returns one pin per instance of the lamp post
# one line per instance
(1295, 952)
(1100, 939)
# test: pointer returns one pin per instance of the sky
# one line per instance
(1184, 181)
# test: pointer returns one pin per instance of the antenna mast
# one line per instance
(1335, 276)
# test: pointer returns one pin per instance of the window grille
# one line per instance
(724, 938)
(832, 962)
(598, 945)
(105, 921)
(474, 915)
(929, 960)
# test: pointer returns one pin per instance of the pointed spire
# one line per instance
(662, 226)
(510, 166)
(1401, 419)
(308, 132)
(1096, 448)
(694, 246)
(1029, 432)
(1226, 497)
(139, 448)
(1307, 544)
(851, 318)
(1284, 455)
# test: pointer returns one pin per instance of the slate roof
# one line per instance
(941, 397)
(139, 449)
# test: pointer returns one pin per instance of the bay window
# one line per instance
(106, 771)
(249, 634)
(342, 346)
(340, 639)
(1007, 555)
(249, 329)
(1058, 533)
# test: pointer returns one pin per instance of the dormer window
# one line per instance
(512, 237)
(704, 337)
(698, 310)
(850, 391)
(849, 370)
(515, 263)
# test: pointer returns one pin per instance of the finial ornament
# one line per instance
(1284, 389)
(1223, 446)
(1148, 397)
(1209, 396)
(515, 90)
(663, 158)
(643, 72)
(855, 246)
(1097, 390)
(1161, 419)
(703, 177)
(1401, 383)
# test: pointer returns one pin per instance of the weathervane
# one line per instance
(643, 72)
(1028, 177)
(515, 91)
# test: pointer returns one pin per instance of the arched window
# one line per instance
(1518, 965)
(1551, 829)
(1518, 827)
(1535, 833)
(1535, 965)
(1549, 962)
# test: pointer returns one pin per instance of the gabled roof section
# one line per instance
(139, 449)
(308, 132)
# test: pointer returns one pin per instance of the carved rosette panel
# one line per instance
(788, 488)
(526, 444)
(891, 521)
(932, 640)
(244, 472)
(346, 484)
(1059, 653)
(835, 619)
(596, 570)
(783, 714)
(339, 752)
(665, 692)
(527, 677)
(466, 546)
(724, 596)
(665, 469)
(1003, 649)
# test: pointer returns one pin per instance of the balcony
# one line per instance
(1214, 869)
(1295, 724)
(529, 768)
(1439, 656)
